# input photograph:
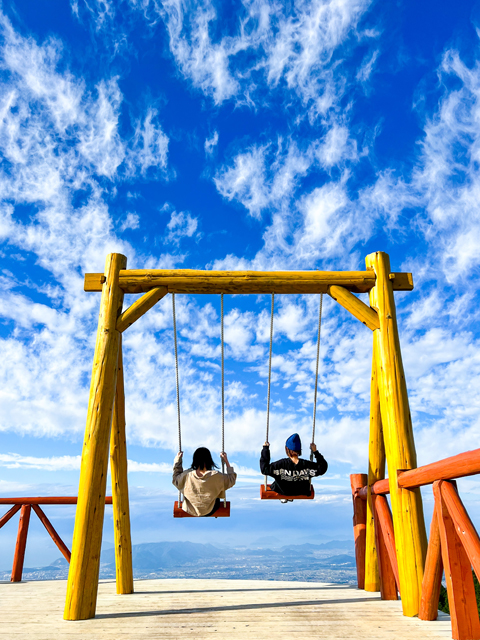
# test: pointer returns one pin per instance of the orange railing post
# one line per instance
(25, 505)
(358, 480)
(454, 544)
(458, 574)
(19, 557)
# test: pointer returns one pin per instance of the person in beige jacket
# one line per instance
(202, 485)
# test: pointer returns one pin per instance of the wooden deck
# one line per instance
(201, 609)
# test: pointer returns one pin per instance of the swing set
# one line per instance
(178, 511)
(105, 425)
(266, 492)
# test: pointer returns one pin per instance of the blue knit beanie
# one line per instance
(293, 443)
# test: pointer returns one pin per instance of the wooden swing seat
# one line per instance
(273, 495)
(221, 512)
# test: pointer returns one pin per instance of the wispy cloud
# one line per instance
(211, 143)
(72, 463)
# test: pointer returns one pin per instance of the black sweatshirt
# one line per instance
(292, 479)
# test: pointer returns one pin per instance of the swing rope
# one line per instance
(269, 375)
(316, 375)
(178, 385)
(223, 394)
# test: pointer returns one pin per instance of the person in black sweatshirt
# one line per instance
(292, 475)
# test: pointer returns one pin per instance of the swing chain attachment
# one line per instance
(269, 375)
(316, 375)
(223, 394)
(178, 386)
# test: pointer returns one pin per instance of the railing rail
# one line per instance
(454, 544)
(459, 466)
(25, 506)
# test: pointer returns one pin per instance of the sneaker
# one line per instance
(285, 501)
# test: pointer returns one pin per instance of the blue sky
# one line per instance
(239, 135)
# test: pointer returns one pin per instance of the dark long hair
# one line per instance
(202, 459)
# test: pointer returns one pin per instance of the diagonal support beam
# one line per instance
(464, 526)
(357, 308)
(388, 584)
(432, 578)
(386, 524)
(140, 307)
(62, 547)
(10, 513)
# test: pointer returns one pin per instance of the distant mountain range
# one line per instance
(152, 556)
(181, 559)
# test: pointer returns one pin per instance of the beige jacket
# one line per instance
(200, 492)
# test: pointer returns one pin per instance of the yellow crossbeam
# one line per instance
(249, 282)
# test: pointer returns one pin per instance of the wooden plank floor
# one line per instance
(203, 609)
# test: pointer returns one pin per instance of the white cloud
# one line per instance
(150, 467)
(250, 182)
(62, 159)
(205, 62)
(365, 71)
(72, 463)
(211, 143)
(132, 221)
(56, 463)
(149, 148)
(181, 225)
(336, 147)
(289, 50)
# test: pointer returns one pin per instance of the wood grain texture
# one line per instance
(193, 281)
(407, 507)
(386, 524)
(62, 547)
(432, 578)
(380, 488)
(355, 306)
(121, 507)
(459, 466)
(464, 526)
(376, 472)
(251, 282)
(221, 512)
(388, 584)
(273, 495)
(213, 609)
(87, 536)
(21, 544)
(358, 480)
(458, 575)
(140, 307)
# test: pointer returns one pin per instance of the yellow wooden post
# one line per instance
(87, 535)
(118, 467)
(407, 508)
(376, 471)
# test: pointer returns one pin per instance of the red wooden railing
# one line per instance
(25, 506)
(453, 547)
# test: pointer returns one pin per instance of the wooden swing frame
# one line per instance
(390, 422)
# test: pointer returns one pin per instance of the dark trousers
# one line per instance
(216, 506)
